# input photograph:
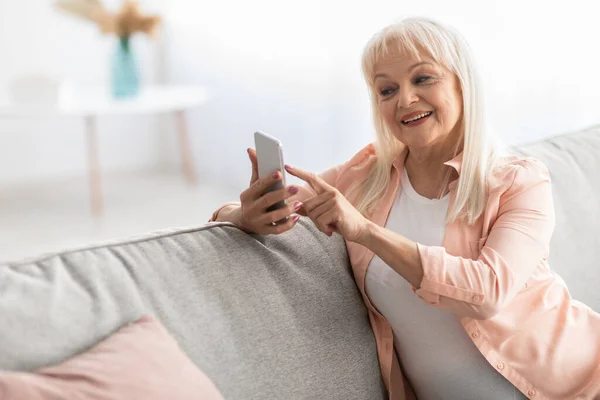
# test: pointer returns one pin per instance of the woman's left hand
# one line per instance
(329, 209)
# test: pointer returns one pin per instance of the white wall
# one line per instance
(290, 69)
(293, 70)
(267, 67)
(37, 39)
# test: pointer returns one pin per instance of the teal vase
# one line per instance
(125, 79)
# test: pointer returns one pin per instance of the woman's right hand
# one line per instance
(253, 216)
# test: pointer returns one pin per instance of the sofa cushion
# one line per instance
(265, 317)
(123, 366)
(574, 164)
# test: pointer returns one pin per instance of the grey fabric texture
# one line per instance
(265, 317)
(574, 164)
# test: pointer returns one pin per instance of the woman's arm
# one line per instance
(400, 253)
(517, 243)
(226, 213)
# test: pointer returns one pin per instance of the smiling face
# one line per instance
(419, 100)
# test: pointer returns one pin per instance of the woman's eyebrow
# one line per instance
(418, 64)
(382, 75)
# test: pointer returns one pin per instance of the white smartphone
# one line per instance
(269, 154)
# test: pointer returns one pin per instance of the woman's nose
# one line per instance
(406, 98)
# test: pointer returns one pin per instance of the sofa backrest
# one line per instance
(574, 164)
(275, 317)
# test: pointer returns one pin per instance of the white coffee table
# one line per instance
(93, 102)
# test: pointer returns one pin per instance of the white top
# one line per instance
(97, 100)
(437, 356)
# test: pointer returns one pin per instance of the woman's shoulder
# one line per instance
(356, 168)
(364, 158)
(366, 154)
(513, 174)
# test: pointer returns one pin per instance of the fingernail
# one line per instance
(293, 190)
(295, 218)
(297, 205)
(289, 166)
(276, 174)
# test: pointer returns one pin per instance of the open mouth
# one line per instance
(418, 119)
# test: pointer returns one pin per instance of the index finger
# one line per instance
(315, 181)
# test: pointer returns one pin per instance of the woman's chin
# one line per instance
(416, 142)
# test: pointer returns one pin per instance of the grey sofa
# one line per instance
(275, 317)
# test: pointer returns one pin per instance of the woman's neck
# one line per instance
(427, 173)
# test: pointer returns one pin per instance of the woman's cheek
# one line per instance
(439, 118)
(392, 110)
(387, 113)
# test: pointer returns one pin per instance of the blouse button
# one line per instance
(531, 392)
(500, 366)
(475, 334)
(476, 298)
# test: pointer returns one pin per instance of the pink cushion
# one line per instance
(140, 361)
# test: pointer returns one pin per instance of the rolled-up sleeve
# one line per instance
(215, 213)
(517, 242)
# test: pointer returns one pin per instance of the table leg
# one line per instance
(186, 151)
(94, 165)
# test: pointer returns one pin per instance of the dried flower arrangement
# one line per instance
(124, 23)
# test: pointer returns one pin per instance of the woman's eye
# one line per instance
(422, 79)
(386, 92)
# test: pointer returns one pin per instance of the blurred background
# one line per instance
(211, 74)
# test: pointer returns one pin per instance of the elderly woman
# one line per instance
(447, 236)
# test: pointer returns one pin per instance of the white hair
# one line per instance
(480, 149)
